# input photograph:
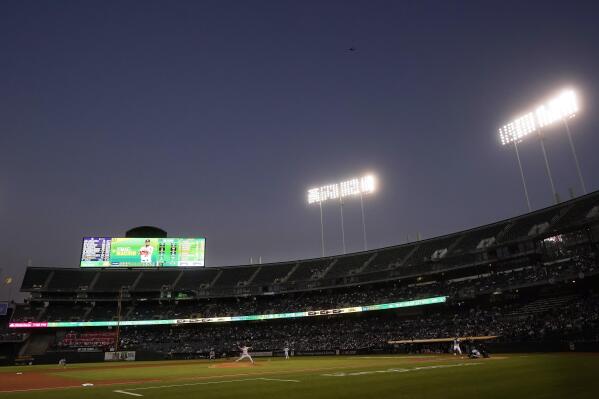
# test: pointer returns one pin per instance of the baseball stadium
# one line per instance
(443, 316)
(282, 199)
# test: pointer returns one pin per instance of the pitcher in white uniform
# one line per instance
(244, 353)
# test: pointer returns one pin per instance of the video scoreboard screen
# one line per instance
(142, 252)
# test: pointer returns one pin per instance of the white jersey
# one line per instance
(245, 354)
(146, 253)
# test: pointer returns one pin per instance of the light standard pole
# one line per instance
(321, 228)
(522, 176)
(542, 140)
(342, 225)
(363, 221)
(584, 187)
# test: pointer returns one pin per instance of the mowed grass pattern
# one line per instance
(502, 376)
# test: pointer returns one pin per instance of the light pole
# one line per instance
(584, 187)
(522, 176)
(321, 228)
(363, 221)
(340, 191)
(342, 225)
(542, 140)
(561, 107)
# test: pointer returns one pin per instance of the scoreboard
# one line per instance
(142, 252)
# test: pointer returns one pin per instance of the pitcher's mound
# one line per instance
(233, 365)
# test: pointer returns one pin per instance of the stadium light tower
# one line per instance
(338, 191)
(559, 108)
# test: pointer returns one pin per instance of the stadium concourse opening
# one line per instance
(524, 284)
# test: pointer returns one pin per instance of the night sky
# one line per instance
(213, 119)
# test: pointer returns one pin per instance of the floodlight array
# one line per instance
(564, 106)
(351, 187)
(517, 129)
(561, 107)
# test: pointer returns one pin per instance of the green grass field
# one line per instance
(502, 376)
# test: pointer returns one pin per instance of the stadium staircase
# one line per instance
(249, 281)
(48, 279)
(136, 282)
(325, 271)
(127, 313)
(365, 264)
(400, 262)
(41, 314)
(177, 280)
(37, 344)
(284, 279)
(87, 312)
(215, 279)
(455, 244)
(499, 236)
(93, 282)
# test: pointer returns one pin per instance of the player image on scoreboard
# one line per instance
(142, 252)
(145, 253)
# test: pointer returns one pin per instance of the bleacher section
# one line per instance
(195, 279)
(389, 258)
(70, 280)
(149, 311)
(272, 274)
(234, 276)
(348, 265)
(66, 312)
(471, 239)
(427, 248)
(578, 212)
(113, 280)
(523, 228)
(105, 311)
(310, 270)
(28, 312)
(98, 340)
(543, 305)
(154, 280)
(35, 279)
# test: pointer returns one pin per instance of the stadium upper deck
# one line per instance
(459, 254)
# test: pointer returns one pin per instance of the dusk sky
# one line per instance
(212, 119)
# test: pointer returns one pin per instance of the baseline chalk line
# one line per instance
(127, 393)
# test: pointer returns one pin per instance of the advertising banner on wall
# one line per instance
(119, 356)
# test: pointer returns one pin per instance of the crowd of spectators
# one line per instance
(518, 320)
(393, 291)
(104, 340)
(9, 336)
(6, 335)
(576, 319)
